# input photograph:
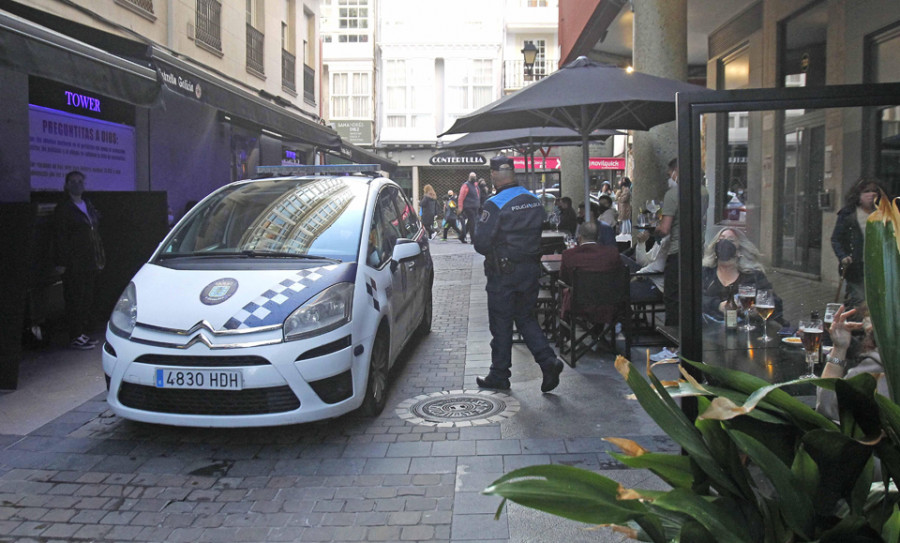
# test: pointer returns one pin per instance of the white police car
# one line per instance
(274, 301)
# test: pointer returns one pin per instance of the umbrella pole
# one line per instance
(586, 153)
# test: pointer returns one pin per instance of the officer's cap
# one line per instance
(499, 163)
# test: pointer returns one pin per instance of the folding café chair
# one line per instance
(598, 301)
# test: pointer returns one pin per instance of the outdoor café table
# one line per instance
(775, 361)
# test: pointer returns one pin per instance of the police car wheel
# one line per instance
(376, 384)
(425, 325)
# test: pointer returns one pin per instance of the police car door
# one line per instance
(416, 268)
(391, 277)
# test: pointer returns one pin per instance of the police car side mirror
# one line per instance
(405, 249)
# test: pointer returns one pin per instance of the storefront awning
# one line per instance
(185, 79)
(36, 50)
(358, 155)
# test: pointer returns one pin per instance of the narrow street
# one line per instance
(87, 475)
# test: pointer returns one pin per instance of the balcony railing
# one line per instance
(309, 84)
(288, 71)
(209, 29)
(514, 72)
(255, 40)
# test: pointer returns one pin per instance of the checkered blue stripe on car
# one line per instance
(280, 300)
(372, 290)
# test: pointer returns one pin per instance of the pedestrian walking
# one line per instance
(451, 219)
(469, 201)
(508, 234)
(428, 210)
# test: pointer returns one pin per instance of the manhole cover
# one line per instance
(458, 408)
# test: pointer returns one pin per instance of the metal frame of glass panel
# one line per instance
(691, 106)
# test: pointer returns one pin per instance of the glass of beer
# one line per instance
(747, 299)
(765, 306)
(811, 335)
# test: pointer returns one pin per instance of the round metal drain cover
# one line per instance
(458, 408)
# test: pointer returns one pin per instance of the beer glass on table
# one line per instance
(811, 335)
(747, 298)
(765, 306)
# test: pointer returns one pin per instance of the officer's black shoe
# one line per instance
(494, 383)
(551, 376)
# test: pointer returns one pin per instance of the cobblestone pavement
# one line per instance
(90, 476)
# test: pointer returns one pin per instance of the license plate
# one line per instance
(199, 379)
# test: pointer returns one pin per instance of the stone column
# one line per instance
(660, 49)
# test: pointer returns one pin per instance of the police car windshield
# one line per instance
(308, 218)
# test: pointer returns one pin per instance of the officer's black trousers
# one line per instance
(512, 298)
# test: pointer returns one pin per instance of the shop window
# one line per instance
(884, 60)
(732, 147)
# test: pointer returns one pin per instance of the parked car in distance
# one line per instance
(273, 301)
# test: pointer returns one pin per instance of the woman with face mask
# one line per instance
(731, 260)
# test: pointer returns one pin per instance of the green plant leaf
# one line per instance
(795, 504)
(890, 531)
(857, 407)
(801, 413)
(841, 461)
(674, 469)
(719, 516)
(568, 492)
(861, 490)
(882, 271)
(668, 415)
(805, 471)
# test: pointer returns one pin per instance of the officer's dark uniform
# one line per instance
(508, 234)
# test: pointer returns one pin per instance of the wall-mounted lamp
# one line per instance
(530, 53)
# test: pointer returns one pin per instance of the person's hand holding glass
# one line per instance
(811, 331)
(765, 306)
(554, 221)
(747, 298)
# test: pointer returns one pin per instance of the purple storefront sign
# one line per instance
(61, 142)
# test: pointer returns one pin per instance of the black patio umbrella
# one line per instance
(583, 96)
(524, 140)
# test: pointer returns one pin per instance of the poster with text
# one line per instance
(61, 142)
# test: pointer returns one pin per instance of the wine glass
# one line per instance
(765, 306)
(642, 221)
(811, 335)
(652, 206)
(747, 298)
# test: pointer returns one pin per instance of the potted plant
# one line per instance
(758, 464)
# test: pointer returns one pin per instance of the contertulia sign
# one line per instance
(451, 159)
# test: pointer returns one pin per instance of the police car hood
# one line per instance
(229, 299)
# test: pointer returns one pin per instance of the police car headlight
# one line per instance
(328, 310)
(124, 314)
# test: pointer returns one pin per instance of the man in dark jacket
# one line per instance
(508, 234)
(450, 217)
(469, 202)
(79, 258)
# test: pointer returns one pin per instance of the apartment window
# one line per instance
(144, 8)
(255, 40)
(209, 26)
(409, 86)
(469, 85)
(288, 59)
(351, 95)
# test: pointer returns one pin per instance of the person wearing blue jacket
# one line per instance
(508, 234)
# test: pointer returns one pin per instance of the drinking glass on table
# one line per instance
(747, 298)
(811, 335)
(765, 306)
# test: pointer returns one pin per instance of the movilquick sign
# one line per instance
(449, 158)
(606, 163)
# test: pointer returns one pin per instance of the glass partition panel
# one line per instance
(766, 268)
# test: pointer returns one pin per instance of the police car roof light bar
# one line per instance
(322, 169)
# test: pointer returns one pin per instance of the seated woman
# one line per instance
(730, 259)
(859, 357)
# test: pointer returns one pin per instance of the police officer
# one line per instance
(508, 234)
